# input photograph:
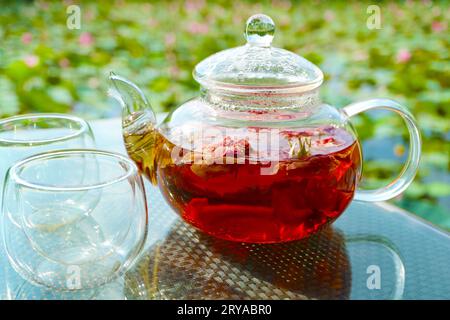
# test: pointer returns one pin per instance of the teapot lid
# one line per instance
(257, 66)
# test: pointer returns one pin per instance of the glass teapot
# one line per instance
(257, 157)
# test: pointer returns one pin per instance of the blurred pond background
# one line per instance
(47, 67)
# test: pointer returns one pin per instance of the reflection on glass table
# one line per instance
(374, 251)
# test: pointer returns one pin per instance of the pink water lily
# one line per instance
(403, 56)
(31, 61)
(438, 26)
(194, 5)
(26, 38)
(170, 39)
(198, 28)
(86, 39)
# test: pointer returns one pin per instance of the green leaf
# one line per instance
(9, 104)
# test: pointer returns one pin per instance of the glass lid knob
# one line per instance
(259, 30)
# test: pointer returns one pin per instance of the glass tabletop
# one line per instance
(373, 251)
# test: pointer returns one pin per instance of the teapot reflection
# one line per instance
(189, 264)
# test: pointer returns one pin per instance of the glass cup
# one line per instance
(73, 219)
(25, 135)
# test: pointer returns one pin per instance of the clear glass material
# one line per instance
(264, 170)
(29, 134)
(257, 157)
(26, 135)
(409, 170)
(257, 65)
(73, 219)
(257, 167)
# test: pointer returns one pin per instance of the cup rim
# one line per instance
(14, 175)
(84, 127)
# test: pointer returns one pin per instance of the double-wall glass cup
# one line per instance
(29, 134)
(25, 135)
(73, 219)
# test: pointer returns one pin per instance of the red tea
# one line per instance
(308, 182)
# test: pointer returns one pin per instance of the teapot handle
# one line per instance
(409, 170)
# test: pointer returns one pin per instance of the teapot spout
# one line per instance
(138, 125)
(135, 106)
